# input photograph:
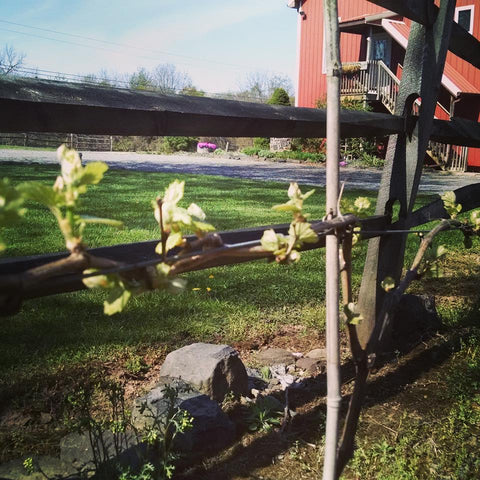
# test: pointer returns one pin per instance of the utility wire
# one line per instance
(123, 45)
(91, 47)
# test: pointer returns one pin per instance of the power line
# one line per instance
(123, 45)
(118, 52)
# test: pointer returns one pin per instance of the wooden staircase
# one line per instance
(374, 81)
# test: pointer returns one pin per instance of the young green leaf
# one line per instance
(174, 192)
(42, 194)
(270, 240)
(388, 284)
(361, 204)
(450, 204)
(118, 297)
(441, 251)
(92, 173)
(303, 233)
(175, 239)
(195, 211)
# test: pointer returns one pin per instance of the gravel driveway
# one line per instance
(241, 166)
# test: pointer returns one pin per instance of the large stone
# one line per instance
(416, 316)
(86, 453)
(212, 429)
(310, 365)
(212, 369)
(275, 356)
(50, 466)
(317, 354)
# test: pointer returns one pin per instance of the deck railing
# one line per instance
(373, 80)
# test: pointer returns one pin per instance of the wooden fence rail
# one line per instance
(48, 106)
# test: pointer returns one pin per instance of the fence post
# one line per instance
(111, 143)
(422, 73)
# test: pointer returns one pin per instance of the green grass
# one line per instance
(245, 301)
(19, 147)
(53, 336)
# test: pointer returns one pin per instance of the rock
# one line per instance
(415, 316)
(270, 402)
(310, 365)
(76, 449)
(51, 466)
(317, 354)
(212, 369)
(45, 418)
(212, 429)
(255, 379)
(275, 356)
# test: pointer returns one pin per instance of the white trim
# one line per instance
(450, 86)
(396, 35)
(472, 15)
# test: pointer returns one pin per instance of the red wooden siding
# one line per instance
(312, 80)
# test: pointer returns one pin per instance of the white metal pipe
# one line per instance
(332, 52)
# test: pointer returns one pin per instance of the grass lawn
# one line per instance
(54, 341)
(19, 147)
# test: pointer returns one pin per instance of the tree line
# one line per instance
(165, 78)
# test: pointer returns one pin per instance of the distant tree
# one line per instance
(259, 86)
(192, 91)
(10, 60)
(167, 79)
(279, 97)
(141, 80)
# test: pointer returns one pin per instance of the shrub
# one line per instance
(311, 145)
(296, 155)
(279, 97)
(179, 144)
(367, 160)
(251, 150)
(262, 143)
(266, 154)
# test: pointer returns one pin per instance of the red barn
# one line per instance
(373, 41)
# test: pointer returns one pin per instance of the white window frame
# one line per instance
(472, 15)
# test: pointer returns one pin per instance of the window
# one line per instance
(464, 17)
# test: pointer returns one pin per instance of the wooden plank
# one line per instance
(422, 73)
(457, 131)
(143, 251)
(461, 43)
(49, 106)
(468, 197)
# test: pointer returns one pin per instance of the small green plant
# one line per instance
(158, 434)
(174, 221)
(266, 153)
(147, 472)
(63, 199)
(263, 415)
(161, 432)
(266, 373)
(136, 365)
(285, 248)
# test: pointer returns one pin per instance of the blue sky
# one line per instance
(216, 42)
